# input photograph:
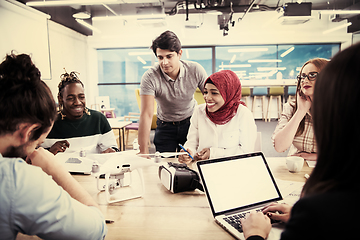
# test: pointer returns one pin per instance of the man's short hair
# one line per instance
(167, 41)
(24, 97)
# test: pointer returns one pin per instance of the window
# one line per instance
(248, 62)
(120, 70)
(294, 56)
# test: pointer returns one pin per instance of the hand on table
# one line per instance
(59, 146)
(109, 150)
(256, 223)
(307, 156)
(278, 212)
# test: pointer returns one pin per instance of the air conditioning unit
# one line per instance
(294, 20)
(296, 13)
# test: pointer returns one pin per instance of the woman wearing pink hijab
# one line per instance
(223, 125)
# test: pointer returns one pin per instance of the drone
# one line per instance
(118, 172)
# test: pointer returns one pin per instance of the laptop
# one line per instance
(236, 185)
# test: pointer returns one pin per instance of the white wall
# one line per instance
(255, 28)
(67, 48)
(76, 52)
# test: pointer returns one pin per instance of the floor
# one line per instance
(266, 129)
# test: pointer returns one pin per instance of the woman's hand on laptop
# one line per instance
(278, 212)
(256, 224)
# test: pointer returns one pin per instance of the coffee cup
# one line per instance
(294, 163)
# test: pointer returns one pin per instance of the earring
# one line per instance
(87, 111)
(61, 113)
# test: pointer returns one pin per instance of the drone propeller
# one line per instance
(163, 154)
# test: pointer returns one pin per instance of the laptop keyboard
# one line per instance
(234, 220)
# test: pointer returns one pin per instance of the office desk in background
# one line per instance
(160, 214)
(119, 125)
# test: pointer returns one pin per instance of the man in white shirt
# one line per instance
(38, 197)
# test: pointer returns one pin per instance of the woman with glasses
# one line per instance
(295, 128)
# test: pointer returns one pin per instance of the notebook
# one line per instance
(236, 185)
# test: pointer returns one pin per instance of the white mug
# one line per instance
(294, 163)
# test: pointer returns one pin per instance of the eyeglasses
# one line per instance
(311, 76)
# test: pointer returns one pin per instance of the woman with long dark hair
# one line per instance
(324, 209)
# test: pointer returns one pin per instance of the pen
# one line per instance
(186, 151)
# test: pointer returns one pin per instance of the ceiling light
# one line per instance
(248, 50)
(140, 17)
(82, 15)
(82, 22)
(330, 12)
(270, 68)
(263, 60)
(287, 52)
(233, 58)
(187, 53)
(235, 65)
(68, 3)
(139, 53)
(141, 60)
(337, 28)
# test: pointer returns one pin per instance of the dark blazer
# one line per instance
(331, 215)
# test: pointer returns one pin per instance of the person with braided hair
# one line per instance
(38, 196)
(78, 128)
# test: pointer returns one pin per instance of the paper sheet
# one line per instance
(290, 190)
(311, 163)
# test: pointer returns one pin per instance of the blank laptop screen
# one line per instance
(237, 183)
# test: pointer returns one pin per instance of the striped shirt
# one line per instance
(91, 133)
(302, 143)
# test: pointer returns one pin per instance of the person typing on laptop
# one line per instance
(334, 185)
(223, 125)
(38, 197)
(78, 128)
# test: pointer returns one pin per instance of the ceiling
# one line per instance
(62, 14)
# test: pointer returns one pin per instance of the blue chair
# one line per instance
(259, 93)
(275, 92)
(291, 92)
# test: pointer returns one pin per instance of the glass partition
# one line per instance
(120, 70)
